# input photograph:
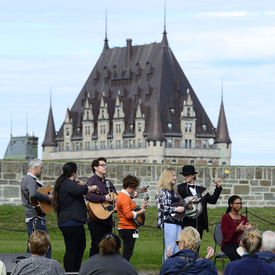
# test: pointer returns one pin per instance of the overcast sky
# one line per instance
(54, 45)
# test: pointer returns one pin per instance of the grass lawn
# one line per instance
(147, 255)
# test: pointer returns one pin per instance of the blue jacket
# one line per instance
(248, 264)
(266, 255)
(197, 265)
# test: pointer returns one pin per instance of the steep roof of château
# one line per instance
(222, 135)
(141, 73)
(49, 139)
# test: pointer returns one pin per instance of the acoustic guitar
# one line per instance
(100, 211)
(42, 208)
(140, 219)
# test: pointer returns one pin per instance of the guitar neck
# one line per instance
(207, 189)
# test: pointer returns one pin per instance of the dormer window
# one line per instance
(169, 127)
(172, 111)
(131, 127)
(204, 127)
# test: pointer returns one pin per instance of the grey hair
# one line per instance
(268, 241)
(34, 162)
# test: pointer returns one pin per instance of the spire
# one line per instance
(106, 46)
(156, 131)
(164, 41)
(222, 135)
(49, 139)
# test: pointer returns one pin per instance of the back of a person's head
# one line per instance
(191, 238)
(252, 240)
(268, 241)
(130, 181)
(39, 242)
(110, 244)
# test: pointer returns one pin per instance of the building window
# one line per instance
(192, 162)
(87, 115)
(111, 143)
(95, 144)
(190, 127)
(186, 127)
(67, 146)
(131, 127)
(188, 111)
(67, 131)
(224, 163)
(172, 111)
(186, 143)
(209, 162)
(190, 143)
(170, 142)
(139, 127)
(169, 127)
(204, 127)
(118, 114)
(204, 144)
(130, 143)
(173, 161)
(139, 143)
(78, 131)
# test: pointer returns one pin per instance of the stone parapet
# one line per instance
(256, 185)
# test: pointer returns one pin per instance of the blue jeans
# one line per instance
(36, 224)
(171, 234)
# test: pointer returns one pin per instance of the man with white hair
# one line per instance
(267, 251)
(29, 186)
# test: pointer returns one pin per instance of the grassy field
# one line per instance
(147, 255)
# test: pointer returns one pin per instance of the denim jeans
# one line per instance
(36, 224)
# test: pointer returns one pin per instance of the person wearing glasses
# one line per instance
(233, 225)
(98, 227)
(186, 260)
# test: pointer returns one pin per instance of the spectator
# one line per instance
(186, 260)
(267, 251)
(109, 260)
(233, 225)
(250, 263)
(38, 264)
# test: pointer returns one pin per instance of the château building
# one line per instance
(138, 106)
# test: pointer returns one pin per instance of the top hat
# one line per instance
(188, 170)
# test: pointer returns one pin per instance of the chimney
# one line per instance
(129, 50)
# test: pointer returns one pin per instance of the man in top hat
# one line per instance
(197, 215)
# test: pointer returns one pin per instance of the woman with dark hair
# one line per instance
(250, 263)
(233, 225)
(108, 261)
(128, 231)
(71, 211)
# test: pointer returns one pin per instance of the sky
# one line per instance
(49, 48)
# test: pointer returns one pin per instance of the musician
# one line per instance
(99, 229)
(71, 212)
(128, 231)
(190, 188)
(29, 186)
(233, 225)
(166, 196)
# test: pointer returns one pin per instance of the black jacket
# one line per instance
(184, 192)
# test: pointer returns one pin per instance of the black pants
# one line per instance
(97, 232)
(128, 242)
(75, 242)
(231, 251)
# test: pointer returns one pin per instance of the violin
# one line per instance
(143, 189)
(81, 182)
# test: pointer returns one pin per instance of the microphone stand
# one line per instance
(108, 186)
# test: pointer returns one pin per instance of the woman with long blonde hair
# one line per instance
(166, 196)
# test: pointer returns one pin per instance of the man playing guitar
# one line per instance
(99, 228)
(29, 186)
(189, 188)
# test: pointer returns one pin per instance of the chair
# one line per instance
(219, 256)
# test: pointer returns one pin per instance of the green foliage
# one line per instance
(147, 255)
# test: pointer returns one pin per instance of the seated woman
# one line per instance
(38, 264)
(233, 225)
(250, 263)
(108, 261)
(186, 260)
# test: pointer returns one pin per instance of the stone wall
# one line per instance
(256, 185)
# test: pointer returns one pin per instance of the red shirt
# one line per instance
(228, 226)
